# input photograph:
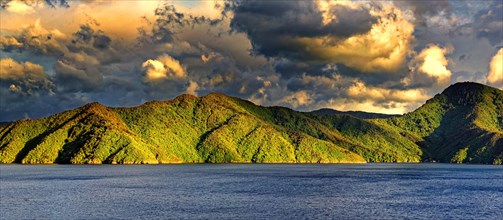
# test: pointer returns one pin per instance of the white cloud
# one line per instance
(495, 75)
(164, 67)
(430, 63)
(21, 7)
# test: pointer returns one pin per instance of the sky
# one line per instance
(376, 56)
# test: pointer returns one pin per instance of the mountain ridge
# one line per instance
(358, 114)
(221, 129)
(465, 119)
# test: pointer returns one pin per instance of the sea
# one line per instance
(252, 191)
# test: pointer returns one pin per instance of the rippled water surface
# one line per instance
(251, 191)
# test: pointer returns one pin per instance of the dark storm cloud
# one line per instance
(329, 84)
(424, 9)
(377, 78)
(92, 66)
(81, 68)
(463, 76)
(88, 35)
(101, 41)
(224, 74)
(450, 21)
(349, 21)
(55, 3)
(89, 65)
(77, 76)
(273, 26)
(17, 106)
(215, 57)
(79, 58)
(22, 86)
(258, 57)
(168, 20)
(489, 23)
(84, 66)
(290, 68)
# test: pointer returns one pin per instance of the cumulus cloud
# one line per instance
(430, 67)
(164, 67)
(495, 75)
(35, 38)
(79, 58)
(369, 39)
(25, 78)
(434, 63)
(9, 43)
(383, 48)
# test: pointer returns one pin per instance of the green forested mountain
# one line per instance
(463, 124)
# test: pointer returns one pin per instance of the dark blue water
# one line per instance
(252, 191)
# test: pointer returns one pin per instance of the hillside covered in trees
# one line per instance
(463, 124)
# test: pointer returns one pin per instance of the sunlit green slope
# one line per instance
(213, 128)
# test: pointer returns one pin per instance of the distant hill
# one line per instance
(358, 114)
(3, 123)
(463, 124)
